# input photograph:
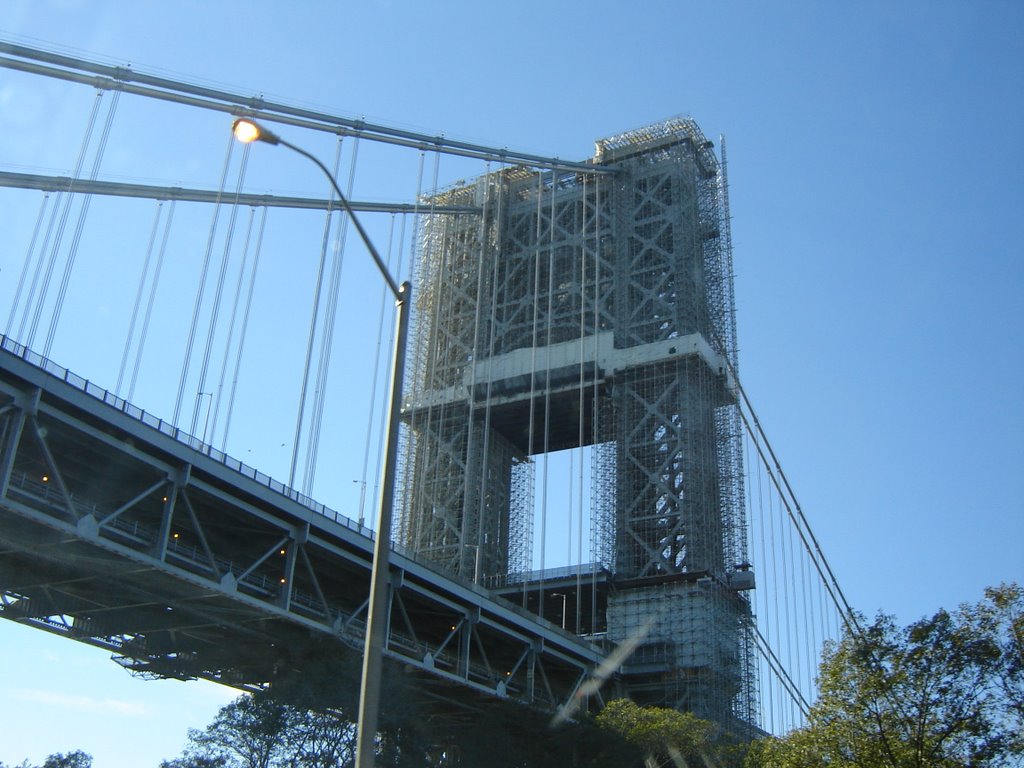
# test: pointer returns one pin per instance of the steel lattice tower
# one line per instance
(585, 309)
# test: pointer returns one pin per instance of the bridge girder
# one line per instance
(118, 531)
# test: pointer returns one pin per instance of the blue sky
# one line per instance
(875, 157)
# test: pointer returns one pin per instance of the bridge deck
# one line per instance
(118, 530)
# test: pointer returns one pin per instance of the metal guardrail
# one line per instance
(106, 396)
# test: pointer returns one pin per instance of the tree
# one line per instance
(249, 732)
(75, 759)
(261, 731)
(1000, 618)
(321, 740)
(507, 734)
(942, 692)
(198, 761)
(664, 736)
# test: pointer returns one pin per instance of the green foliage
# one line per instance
(943, 692)
(1000, 618)
(74, 759)
(199, 761)
(261, 731)
(661, 736)
(508, 735)
(656, 729)
(247, 733)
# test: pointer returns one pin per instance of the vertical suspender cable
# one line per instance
(792, 638)
(547, 385)
(809, 647)
(581, 413)
(784, 588)
(427, 324)
(481, 510)
(406, 522)
(149, 303)
(218, 295)
(79, 226)
(597, 510)
(371, 411)
(327, 338)
(232, 322)
(763, 614)
(533, 374)
(138, 296)
(201, 288)
(40, 299)
(311, 336)
(26, 266)
(452, 233)
(776, 582)
(571, 507)
(494, 252)
(27, 311)
(433, 274)
(245, 327)
(795, 512)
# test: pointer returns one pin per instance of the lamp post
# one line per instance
(247, 131)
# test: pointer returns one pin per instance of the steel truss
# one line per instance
(121, 532)
(577, 310)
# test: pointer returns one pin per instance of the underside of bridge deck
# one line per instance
(118, 531)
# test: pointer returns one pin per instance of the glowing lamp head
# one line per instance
(248, 131)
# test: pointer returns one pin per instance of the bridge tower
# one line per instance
(593, 309)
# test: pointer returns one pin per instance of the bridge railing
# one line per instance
(104, 395)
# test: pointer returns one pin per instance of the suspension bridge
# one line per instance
(193, 379)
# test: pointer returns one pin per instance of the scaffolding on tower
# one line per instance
(592, 311)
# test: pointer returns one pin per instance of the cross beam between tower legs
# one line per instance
(377, 613)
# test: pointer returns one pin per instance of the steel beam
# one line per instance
(156, 192)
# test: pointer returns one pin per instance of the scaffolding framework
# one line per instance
(585, 310)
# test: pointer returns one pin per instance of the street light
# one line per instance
(247, 131)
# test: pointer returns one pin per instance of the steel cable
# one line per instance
(311, 335)
(327, 337)
(201, 287)
(154, 286)
(245, 326)
(27, 264)
(138, 296)
(65, 210)
(218, 295)
(76, 238)
(371, 411)
(232, 323)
